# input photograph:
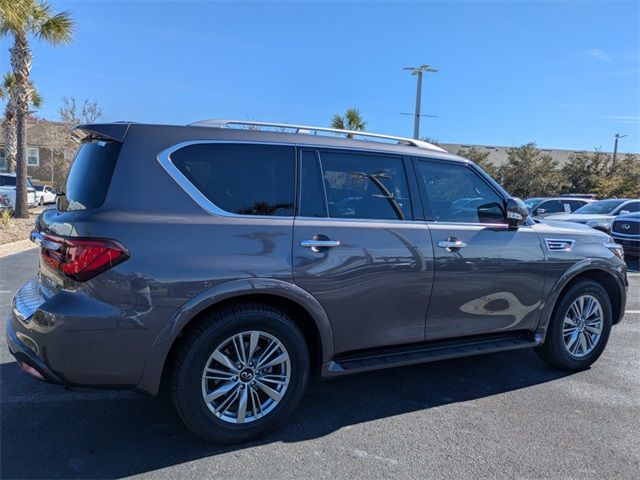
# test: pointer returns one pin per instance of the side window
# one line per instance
(552, 206)
(365, 186)
(455, 193)
(312, 198)
(573, 205)
(241, 179)
(632, 207)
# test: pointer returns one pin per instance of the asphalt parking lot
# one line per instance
(502, 415)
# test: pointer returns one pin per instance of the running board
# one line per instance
(428, 352)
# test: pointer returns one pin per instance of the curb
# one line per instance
(16, 247)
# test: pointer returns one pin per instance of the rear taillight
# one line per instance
(81, 258)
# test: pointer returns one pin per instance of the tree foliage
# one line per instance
(73, 114)
(24, 21)
(480, 158)
(351, 120)
(530, 172)
(62, 146)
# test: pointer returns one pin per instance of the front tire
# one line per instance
(579, 328)
(239, 373)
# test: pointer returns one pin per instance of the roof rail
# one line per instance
(308, 130)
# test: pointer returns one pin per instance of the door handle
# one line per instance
(451, 244)
(314, 244)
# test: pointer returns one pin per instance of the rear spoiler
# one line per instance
(100, 131)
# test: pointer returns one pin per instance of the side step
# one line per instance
(428, 352)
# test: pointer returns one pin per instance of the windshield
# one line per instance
(532, 203)
(603, 207)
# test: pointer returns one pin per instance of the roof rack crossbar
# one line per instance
(308, 129)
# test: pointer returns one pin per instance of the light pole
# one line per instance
(617, 137)
(418, 71)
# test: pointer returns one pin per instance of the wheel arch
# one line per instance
(304, 310)
(599, 271)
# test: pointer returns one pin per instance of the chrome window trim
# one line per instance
(164, 158)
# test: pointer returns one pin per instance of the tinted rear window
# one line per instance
(90, 175)
(7, 181)
(241, 179)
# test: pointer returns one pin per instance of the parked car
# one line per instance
(588, 196)
(8, 188)
(45, 194)
(272, 256)
(541, 207)
(600, 214)
(626, 232)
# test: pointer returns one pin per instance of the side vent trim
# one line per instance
(559, 244)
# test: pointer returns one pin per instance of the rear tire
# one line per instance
(243, 394)
(579, 328)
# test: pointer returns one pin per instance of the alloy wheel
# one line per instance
(246, 377)
(582, 326)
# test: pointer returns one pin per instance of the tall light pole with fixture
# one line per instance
(617, 137)
(418, 71)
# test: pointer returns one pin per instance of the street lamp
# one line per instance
(617, 137)
(418, 71)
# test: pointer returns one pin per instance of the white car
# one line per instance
(8, 188)
(45, 194)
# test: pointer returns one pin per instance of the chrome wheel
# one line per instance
(246, 377)
(582, 326)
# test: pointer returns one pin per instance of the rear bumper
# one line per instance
(73, 339)
(26, 356)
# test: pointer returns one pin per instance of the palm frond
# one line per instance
(354, 119)
(13, 15)
(36, 98)
(56, 29)
(8, 81)
(338, 122)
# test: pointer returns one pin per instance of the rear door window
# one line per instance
(90, 176)
(365, 186)
(243, 179)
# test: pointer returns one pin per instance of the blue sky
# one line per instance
(562, 74)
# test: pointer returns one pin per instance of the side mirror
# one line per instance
(624, 212)
(540, 211)
(517, 212)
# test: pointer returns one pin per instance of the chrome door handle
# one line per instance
(450, 245)
(319, 243)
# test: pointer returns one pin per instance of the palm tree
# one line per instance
(25, 20)
(9, 122)
(351, 120)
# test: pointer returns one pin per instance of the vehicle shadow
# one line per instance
(48, 432)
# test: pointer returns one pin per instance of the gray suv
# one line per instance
(232, 261)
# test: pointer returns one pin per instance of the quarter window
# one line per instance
(241, 179)
(454, 193)
(365, 186)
